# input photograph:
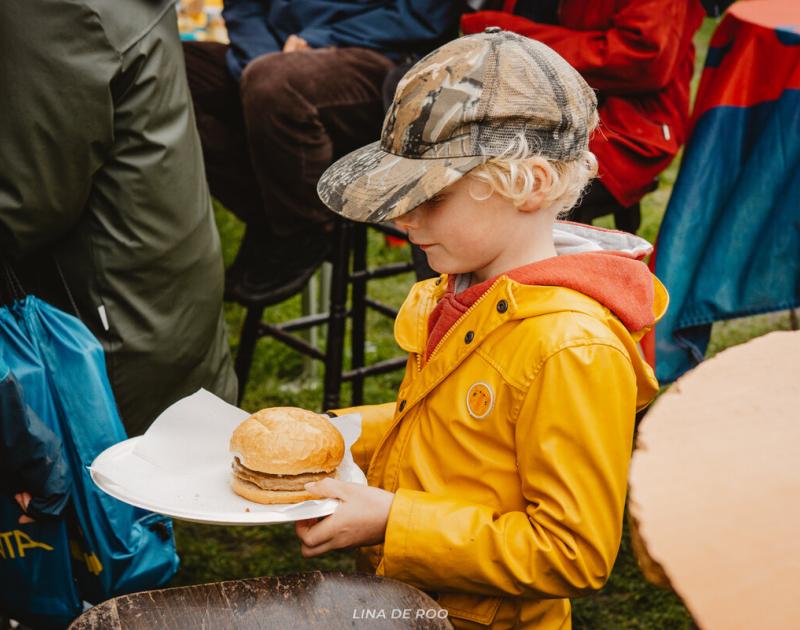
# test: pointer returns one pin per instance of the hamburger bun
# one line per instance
(278, 450)
(253, 493)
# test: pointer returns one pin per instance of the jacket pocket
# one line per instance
(477, 610)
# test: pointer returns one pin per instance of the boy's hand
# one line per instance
(23, 498)
(360, 519)
(295, 43)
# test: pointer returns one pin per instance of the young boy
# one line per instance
(497, 480)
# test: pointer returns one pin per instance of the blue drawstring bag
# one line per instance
(100, 547)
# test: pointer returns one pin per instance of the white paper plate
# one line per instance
(186, 473)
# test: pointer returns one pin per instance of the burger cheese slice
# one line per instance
(279, 450)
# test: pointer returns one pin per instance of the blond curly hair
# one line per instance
(512, 176)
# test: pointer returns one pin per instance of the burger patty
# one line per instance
(266, 481)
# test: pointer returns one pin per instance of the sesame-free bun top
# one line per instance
(287, 441)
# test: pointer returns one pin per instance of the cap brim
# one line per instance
(372, 185)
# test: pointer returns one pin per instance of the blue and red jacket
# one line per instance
(729, 241)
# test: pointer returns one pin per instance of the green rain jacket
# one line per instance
(101, 169)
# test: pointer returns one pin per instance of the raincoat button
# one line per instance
(402, 404)
(502, 306)
(438, 281)
(469, 337)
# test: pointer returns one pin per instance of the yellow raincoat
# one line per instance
(508, 451)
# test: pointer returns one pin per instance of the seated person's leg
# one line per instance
(303, 110)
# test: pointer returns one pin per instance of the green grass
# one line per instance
(279, 376)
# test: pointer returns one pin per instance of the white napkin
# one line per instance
(182, 467)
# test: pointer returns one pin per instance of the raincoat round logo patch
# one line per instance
(480, 400)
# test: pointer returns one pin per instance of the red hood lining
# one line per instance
(622, 284)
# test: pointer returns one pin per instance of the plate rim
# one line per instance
(222, 518)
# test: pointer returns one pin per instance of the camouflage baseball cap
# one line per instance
(458, 107)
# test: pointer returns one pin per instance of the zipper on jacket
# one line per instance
(457, 322)
(395, 421)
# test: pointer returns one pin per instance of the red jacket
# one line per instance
(639, 55)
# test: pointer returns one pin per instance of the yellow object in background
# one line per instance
(201, 20)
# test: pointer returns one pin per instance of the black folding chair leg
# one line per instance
(358, 333)
(247, 346)
(334, 353)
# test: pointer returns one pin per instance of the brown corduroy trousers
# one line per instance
(267, 140)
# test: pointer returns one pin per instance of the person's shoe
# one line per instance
(280, 267)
